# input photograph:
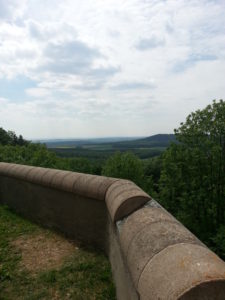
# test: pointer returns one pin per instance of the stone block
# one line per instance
(83, 185)
(139, 220)
(7, 169)
(124, 197)
(48, 176)
(58, 178)
(35, 174)
(21, 171)
(102, 184)
(152, 239)
(69, 180)
(181, 270)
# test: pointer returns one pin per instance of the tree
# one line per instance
(192, 182)
(4, 137)
(10, 138)
(13, 139)
(80, 164)
(126, 166)
(21, 141)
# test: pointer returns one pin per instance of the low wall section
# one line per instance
(152, 255)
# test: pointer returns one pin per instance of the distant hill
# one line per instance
(158, 140)
(57, 143)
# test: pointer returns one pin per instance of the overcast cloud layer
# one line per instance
(108, 68)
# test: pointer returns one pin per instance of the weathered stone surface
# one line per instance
(139, 220)
(7, 169)
(102, 185)
(124, 197)
(79, 217)
(22, 171)
(48, 176)
(93, 186)
(35, 174)
(179, 268)
(125, 289)
(83, 185)
(69, 180)
(151, 240)
(14, 170)
(119, 187)
(58, 178)
(4, 167)
(27, 176)
(206, 291)
(37, 177)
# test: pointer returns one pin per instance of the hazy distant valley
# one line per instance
(102, 148)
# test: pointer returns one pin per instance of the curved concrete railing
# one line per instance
(152, 255)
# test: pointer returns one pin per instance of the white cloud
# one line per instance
(38, 92)
(132, 67)
(149, 43)
(11, 9)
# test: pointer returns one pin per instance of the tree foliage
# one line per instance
(124, 165)
(10, 138)
(192, 182)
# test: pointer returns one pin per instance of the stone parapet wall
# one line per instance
(152, 255)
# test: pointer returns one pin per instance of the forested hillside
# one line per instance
(144, 148)
(158, 140)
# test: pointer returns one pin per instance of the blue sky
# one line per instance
(108, 68)
(14, 89)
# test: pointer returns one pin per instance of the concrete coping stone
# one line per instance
(136, 222)
(123, 197)
(86, 185)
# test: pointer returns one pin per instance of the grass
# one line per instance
(81, 274)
